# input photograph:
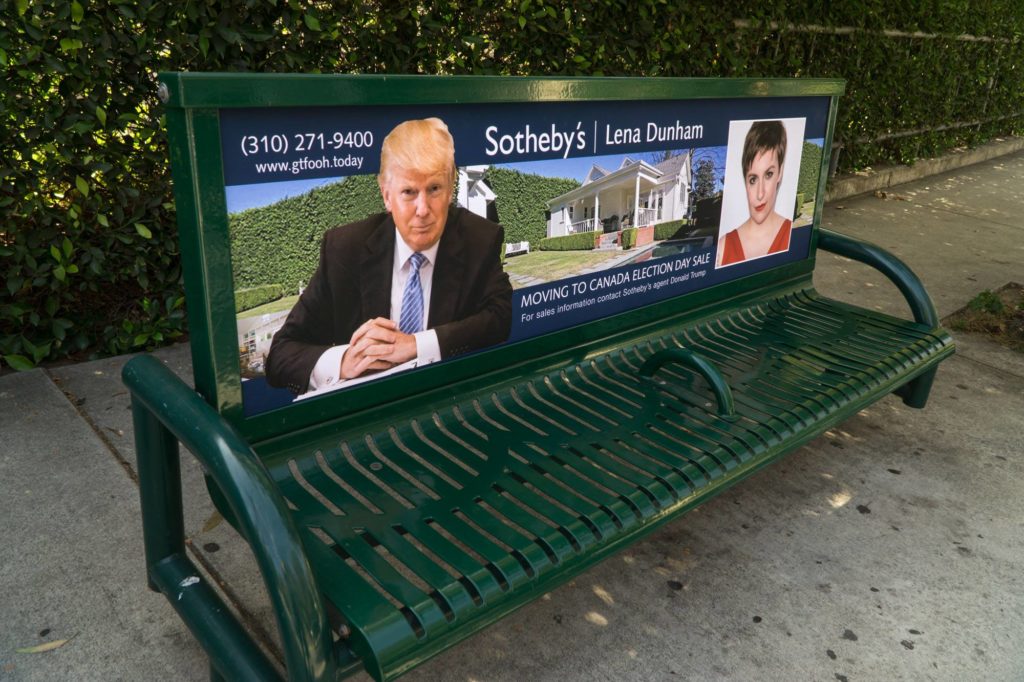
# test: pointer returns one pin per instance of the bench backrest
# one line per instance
(623, 187)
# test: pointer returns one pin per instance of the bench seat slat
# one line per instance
(761, 408)
(480, 573)
(550, 510)
(512, 567)
(572, 499)
(358, 547)
(555, 546)
(401, 465)
(434, 576)
(356, 453)
(532, 552)
(545, 476)
(777, 349)
(621, 512)
(411, 458)
(478, 504)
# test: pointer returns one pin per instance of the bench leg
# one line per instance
(915, 393)
(168, 569)
(159, 468)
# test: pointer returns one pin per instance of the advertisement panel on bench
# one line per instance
(365, 239)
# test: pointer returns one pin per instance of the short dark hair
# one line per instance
(764, 136)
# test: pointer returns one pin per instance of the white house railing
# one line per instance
(646, 216)
(588, 225)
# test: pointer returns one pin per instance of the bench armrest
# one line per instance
(702, 366)
(167, 411)
(889, 265)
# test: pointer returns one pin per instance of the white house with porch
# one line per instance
(636, 194)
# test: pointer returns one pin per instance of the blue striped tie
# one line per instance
(411, 319)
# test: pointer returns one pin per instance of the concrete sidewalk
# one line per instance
(889, 549)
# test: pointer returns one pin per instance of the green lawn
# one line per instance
(277, 306)
(552, 265)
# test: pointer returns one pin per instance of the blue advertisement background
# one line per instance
(249, 138)
(659, 279)
(243, 130)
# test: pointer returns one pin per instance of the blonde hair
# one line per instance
(424, 145)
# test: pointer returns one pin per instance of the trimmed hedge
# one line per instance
(672, 229)
(627, 238)
(280, 243)
(88, 251)
(520, 201)
(810, 162)
(247, 299)
(581, 241)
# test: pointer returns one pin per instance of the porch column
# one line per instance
(597, 207)
(636, 202)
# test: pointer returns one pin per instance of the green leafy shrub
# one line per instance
(627, 237)
(247, 299)
(159, 323)
(987, 302)
(672, 229)
(810, 162)
(581, 241)
(280, 243)
(520, 201)
(798, 206)
(87, 236)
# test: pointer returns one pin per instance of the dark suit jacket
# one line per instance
(470, 300)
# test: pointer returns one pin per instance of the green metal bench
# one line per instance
(391, 521)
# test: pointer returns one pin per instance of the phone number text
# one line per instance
(305, 142)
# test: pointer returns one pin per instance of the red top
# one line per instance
(734, 248)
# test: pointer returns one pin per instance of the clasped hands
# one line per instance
(377, 345)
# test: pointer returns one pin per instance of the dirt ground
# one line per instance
(997, 314)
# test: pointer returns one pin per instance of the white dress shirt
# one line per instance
(327, 372)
